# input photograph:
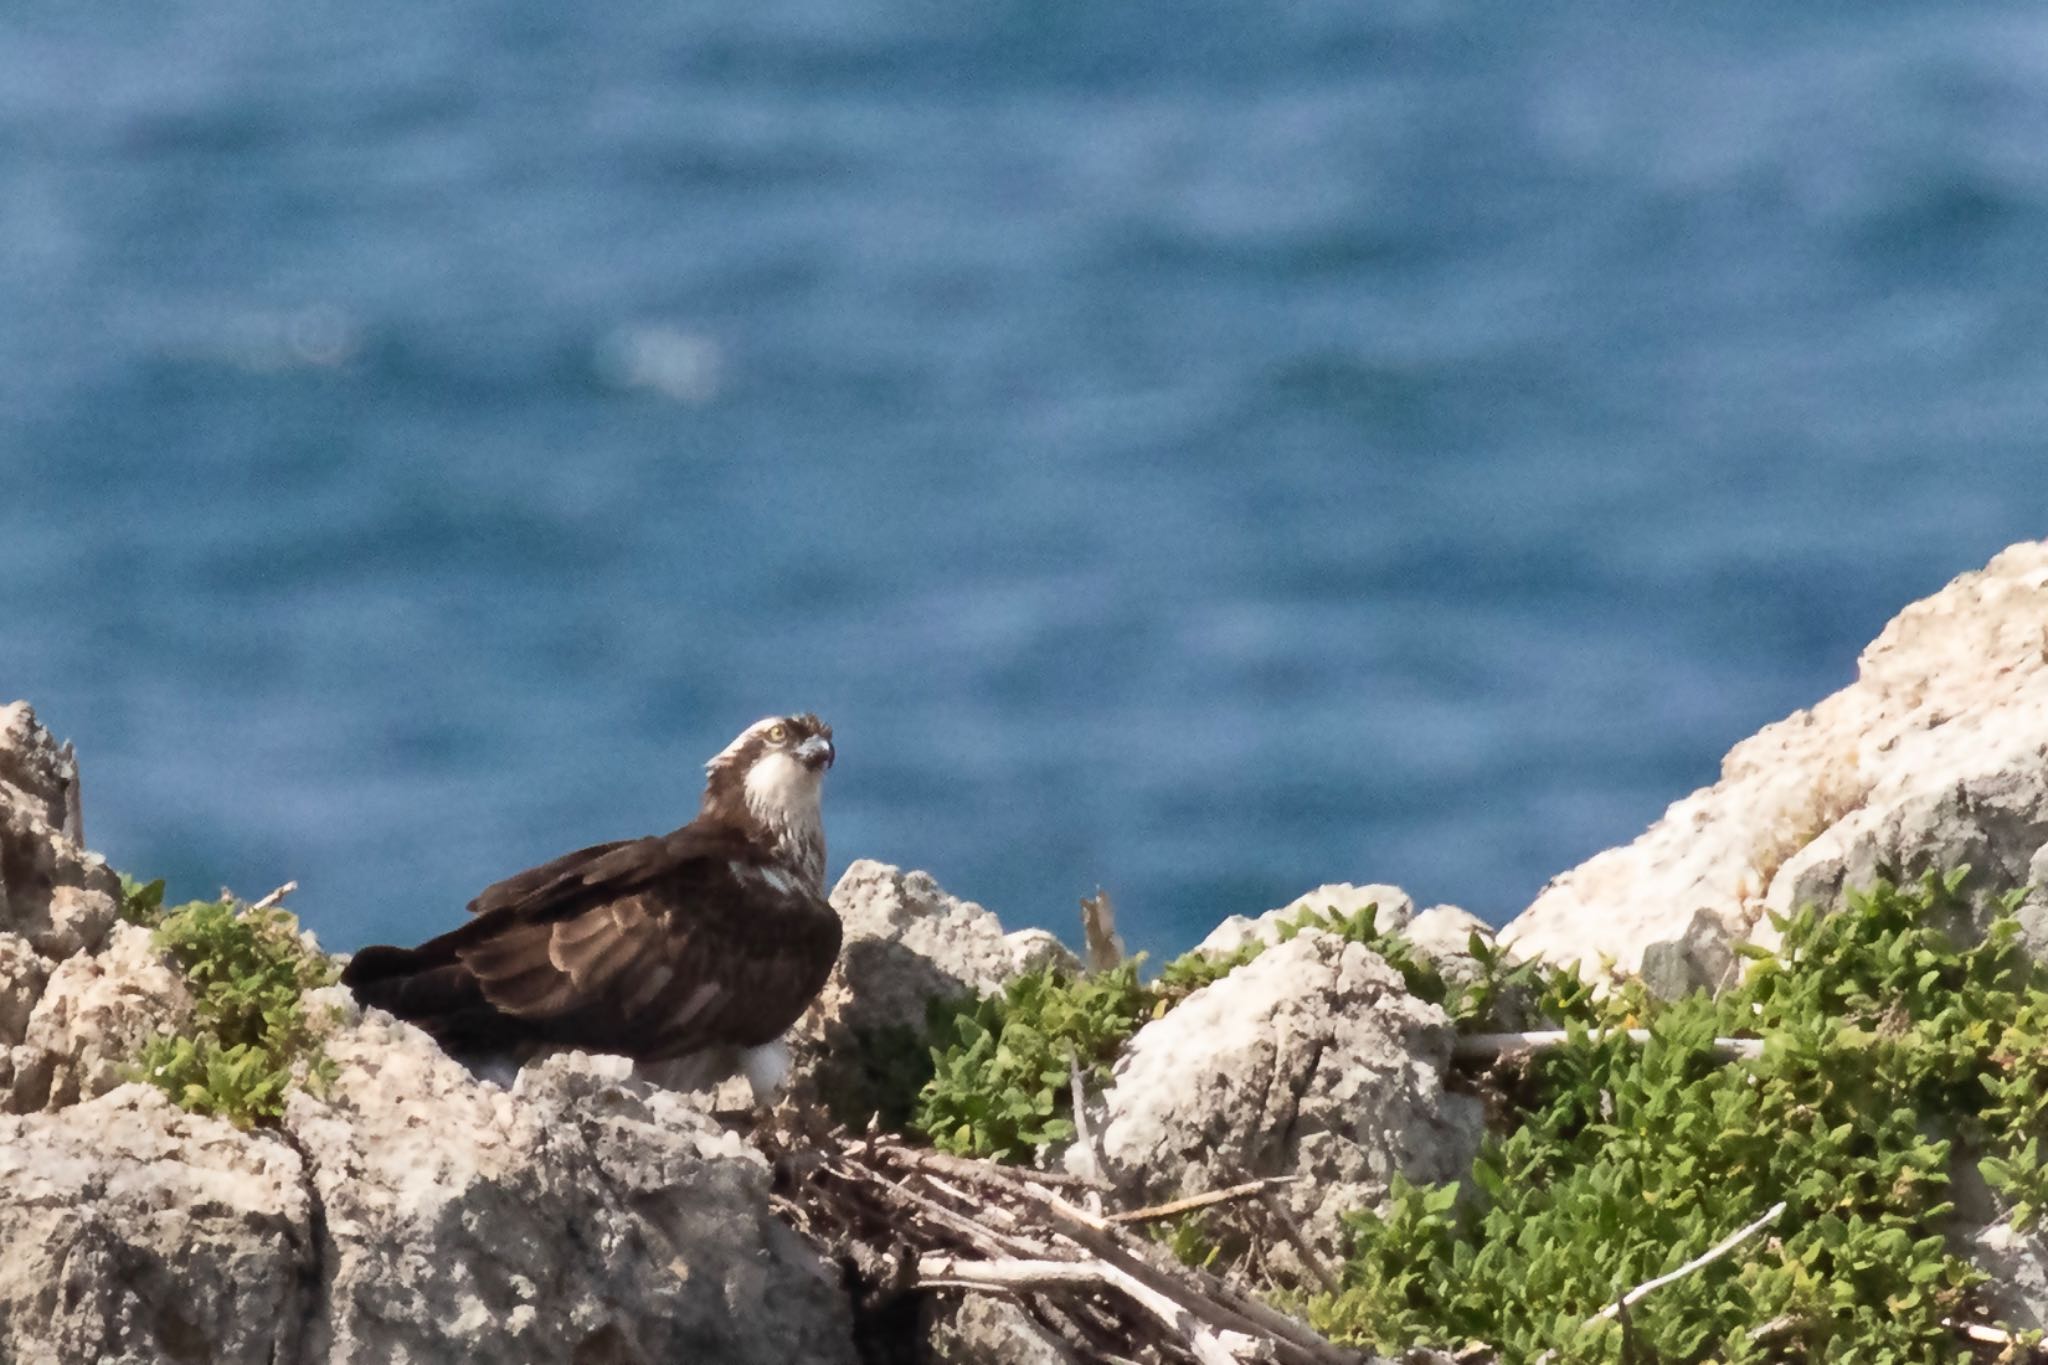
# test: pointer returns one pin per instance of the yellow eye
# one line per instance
(777, 733)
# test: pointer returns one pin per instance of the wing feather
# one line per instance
(651, 947)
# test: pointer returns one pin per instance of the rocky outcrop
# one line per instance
(98, 1010)
(53, 893)
(1936, 755)
(580, 1215)
(1312, 1061)
(57, 905)
(133, 1232)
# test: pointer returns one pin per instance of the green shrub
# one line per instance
(250, 1040)
(1001, 1084)
(142, 902)
(1884, 1042)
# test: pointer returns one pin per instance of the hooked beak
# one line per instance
(815, 753)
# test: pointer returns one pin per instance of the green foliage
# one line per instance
(142, 902)
(1189, 1239)
(1885, 1042)
(1001, 1085)
(250, 1040)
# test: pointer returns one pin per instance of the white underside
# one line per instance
(767, 1069)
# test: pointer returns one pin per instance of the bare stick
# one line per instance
(1228, 1309)
(1018, 1276)
(1485, 1046)
(1201, 1201)
(1098, 932)
(1292, 1230)
(966, 1168)
(1986, 1334)
(959, 1224)
(274, 897)
(1705, 1258)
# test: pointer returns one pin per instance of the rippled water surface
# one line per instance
(1201, 450)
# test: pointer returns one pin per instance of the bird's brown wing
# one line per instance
(535, 883)
(657, 948)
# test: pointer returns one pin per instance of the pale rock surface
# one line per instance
(22, 974)
(1937, 754)
(1442, 935)
(133, 1232)
(53, 893)
(908, 941)
(1396, 909)
(98, 1011)
(1310, 1060)
(981, 1329)
(581, 1215)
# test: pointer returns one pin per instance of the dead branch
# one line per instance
(1193, 1289)
(274, 897)
(1487, 1046)
(1201, 1201)
(1705, 1258)
(1104, 949)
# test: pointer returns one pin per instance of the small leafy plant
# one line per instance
(1002, 1084)
(250, 1040)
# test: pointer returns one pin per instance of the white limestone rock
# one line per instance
(53, 893)
(22, 974)
(980, 1329)
(133, 1232)
(1936, 755)
(908, 942)
(582, 1214)
(1396, 909)
(1443, 934)
(98, 1011)
(1311, 1060)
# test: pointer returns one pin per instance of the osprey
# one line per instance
(705, 943)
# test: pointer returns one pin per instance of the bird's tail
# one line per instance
(428, 986)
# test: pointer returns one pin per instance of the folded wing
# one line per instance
(654, 948)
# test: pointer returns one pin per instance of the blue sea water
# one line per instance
(1198, 450)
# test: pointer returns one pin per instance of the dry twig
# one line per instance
(1201, 1201)
(274, 897)
(1705, 1258)
(1486, 1046)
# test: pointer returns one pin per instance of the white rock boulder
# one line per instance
(1936, 755)
(1311, 1060)
(1395, 909)
(581, 1215)
(53, 893)
(133, 1232)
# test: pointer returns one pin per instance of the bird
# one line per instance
(699, 947)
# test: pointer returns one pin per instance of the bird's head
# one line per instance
(770, 778)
